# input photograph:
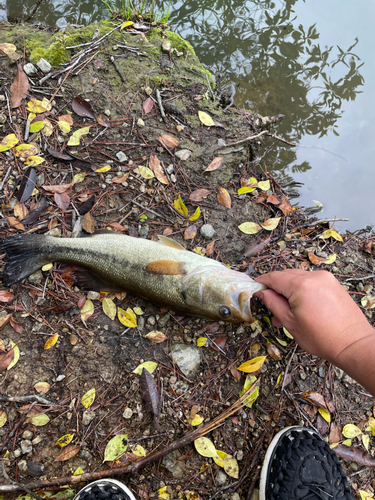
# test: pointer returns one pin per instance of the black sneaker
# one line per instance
(105, 489)
(298, 465)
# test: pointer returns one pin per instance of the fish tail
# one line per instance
(26, 253)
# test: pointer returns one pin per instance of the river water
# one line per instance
(309, 60)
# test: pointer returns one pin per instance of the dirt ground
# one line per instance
(100, 353)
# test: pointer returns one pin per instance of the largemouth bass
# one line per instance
(162, 272)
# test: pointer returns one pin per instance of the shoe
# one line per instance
(105, 489)
(298, 465)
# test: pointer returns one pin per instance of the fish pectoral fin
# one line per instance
(168, 267)
(86, 280)
(170, 242)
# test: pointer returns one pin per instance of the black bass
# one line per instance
(163, 272)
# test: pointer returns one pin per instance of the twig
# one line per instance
(96, 42)
(240, 141)
(29, 17)
(135, 466)
(152, 211)
(4, 473)
(158, 97)
(21, 399)
(209, 86)
(287, 368)
(274, 136)
(8, 106)
(112, 59)
(2, 184)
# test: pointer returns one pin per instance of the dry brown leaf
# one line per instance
(4, 320)
(6, 296)
(62, 200)
(148, 104)
(272, 199)
(59, 188)
(210, 247)
(156, 337)
(20, 211)
(315, 398)
(66, 118)
(255, 248)
(215, 164)
(88, 223)
(120, 180)
(68, 452)
(13, 222)
(236, 374)
(285, 206)
(335, 435)
(156, 167)
(103, 120)
(169, 141)
(190, 232)
(224, 197)
(199, 194)
(6, 359)
(15, 325)
(314, 259)
(19, 88)
(274, 351)
(117, 227)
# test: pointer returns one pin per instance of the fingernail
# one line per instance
(259, 295)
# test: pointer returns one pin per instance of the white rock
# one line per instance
(183, 154)
(166, 46)
(140, 122)
(44, 65)
(30, 69)
(121, 156)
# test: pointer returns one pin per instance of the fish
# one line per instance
(163, 272)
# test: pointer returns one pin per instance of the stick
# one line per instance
(158, 97)
(135, 466)
(112, 59)
(4, 473)
(151, 211)
(2, 184)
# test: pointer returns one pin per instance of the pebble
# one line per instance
(170, 168)
(22, 465)
(140, 122)
(166, 46)
(30, 69)
(173, 466)
(35, 469)
(322, 371)
(151, 320)
(3, 118)
(148, 90)
(187, 358)
(143, 231)
(36, 278)
(17, 453)
(27, 435)
(141, 323)
(163, 320)
(128, 412)
(240, 455)
(88, 416)
(44, 65)
(107, 112)
(121, 156)
(26, 446)
(86, 455)
(221, 478)
(37, 440)
(93, 295)
(235, 496)
(180, 387)
(56, 232)
(207, 231)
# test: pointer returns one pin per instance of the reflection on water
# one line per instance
(278, 64)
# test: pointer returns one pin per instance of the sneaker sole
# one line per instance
(269, 456)
(124, 488)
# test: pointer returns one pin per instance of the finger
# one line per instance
(276, 303)
(276, 322)
(281, 281)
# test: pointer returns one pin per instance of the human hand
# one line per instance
(315, 309)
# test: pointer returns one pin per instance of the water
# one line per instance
(312, 61)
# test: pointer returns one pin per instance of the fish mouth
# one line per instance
(240, 302)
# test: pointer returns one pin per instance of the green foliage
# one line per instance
(127, 10)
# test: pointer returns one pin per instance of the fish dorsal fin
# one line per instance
(169, 242)
(168, 267)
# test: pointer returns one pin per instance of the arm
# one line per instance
(323, 319)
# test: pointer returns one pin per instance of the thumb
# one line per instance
(276, 303)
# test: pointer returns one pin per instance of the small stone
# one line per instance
(173, 466)
(303, 375)
(221, 143)
(107, 112)
(27, 435)
(85, 455)
(143, 231)
(148, 90)
(3, 118)
(173, 178)
(322, 371)
(56, 232)
(17, 453)
(141, 323)
(30, 69)
(36, 278)
(93, 295)
(282, 245)
(240, 455)
(151, 320)
(26, 446)
(88, 416)
(221, 478)
(183, 154)
(235, 496)
(35, 469)
(121, 156)
(166, 46)
(164, 319)
(187, 358)
(44, 65)
(170, 168)
(140, 122)
(207, 231)
(37, 440)
(22, 465)
(128, 412)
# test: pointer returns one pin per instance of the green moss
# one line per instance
(158, 81)
(179, 43)
(73, 36)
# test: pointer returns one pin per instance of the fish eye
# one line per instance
(225, 312)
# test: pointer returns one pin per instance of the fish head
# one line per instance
(218, 293)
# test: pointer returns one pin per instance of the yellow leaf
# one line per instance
(116, 447)
(368, 301)
(65, 440)
(64, 126)
(76, 136)
(26, 150)
(264, 185)
(87, 310)
(202, 341)
(126, 24)
(231, 466)
(138, 450)
(40, 420)
(31, 161)
(31, 117)
(78, 472)
(366, 440)
(371, 423)
(331, 259)
(7, 48)
(156, 337)
(325, 414)
(206, 119)
(331, 233)
(279, 379)
(42, 387)
(287, 333)
(127, 318)
(3, 418)
(351, 431)
(180, 206)
(347, 442)
(199, 250)
(365, 495)
(246, 189)
(163, 494)
(138, 311)
(47, 267)
(88, 398)
(267, 320)
(198, 419)
(46, 104)
(219, 460)
(36, 106)
(16, 357)
(106, 168)
(145, 172)
(196, 214)
(48, 128)
(150, 366)
(109, 308)
(8, 142)
(252, 365)
(51, 341)
(281, 342)
(37, 126)
(79, 177)
(271, 224)
(205, 447)
(249, 381)
(249, 227)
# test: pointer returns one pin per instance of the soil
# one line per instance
(99, 352)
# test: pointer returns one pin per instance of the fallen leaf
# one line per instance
(255, 248)
(88, 398)
(264, 185)
(87, 310)
(206, 119)
(6, 359)
(6, 296)
(39, 420)
(231, 466)
(236, 374)
(273, 200)
(285, 206)
(271, 224)
(331, 233)
(148, 104)
(156, 167)
(15, 325)
(202, 341)
(116, 447)
(26, 150)
(109, 307)
(190, 232)
(13, 222)
(205, 447)
(68, 452)
(3, 415)
(351, 431)
(156, 337)
(169, 141)
(4, 320)
(214, 165)
(65, 440)
(83, 108)
(249, 227)
(64, 126)
(250, 381)
(127, 318)
(224, 197)
(196, 420)
(8, 48)
(88, 223)
(325, 414)
(32, 161)
(76, 136)
(150, 366)
(104, 169)
(180, 206)
(145, 172)
(335, 435)
(58, 188)
(59, 156)
(196, 214)
(8, 142)
(150, 395)
(103, 120)
(252, 365)
(315, 398)
(274, 351)
(51, 341)
(16, 354)
(19, 88)
(42, 387)
(199, 194)
(315, 259)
